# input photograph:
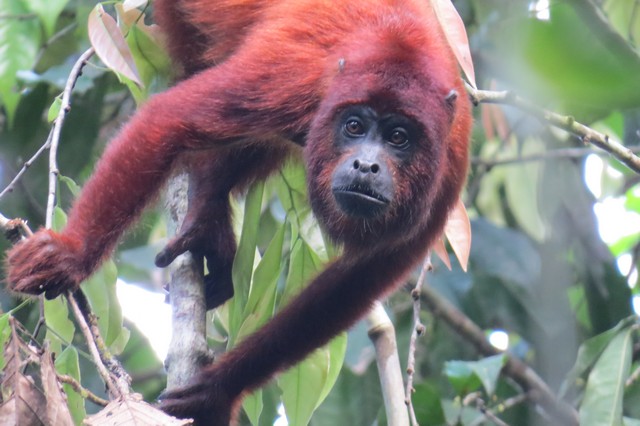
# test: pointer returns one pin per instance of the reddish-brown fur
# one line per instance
(258, 74)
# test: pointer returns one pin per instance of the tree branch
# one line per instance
(65, 107)
(383, 335)
(524, 375)
(418, 330)
(83, 392)
(188, 349)
(568, 123)
(115, 377)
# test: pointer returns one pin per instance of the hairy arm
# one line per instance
(334, 300)
(130, 173)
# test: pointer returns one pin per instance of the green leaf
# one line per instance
(19, 39)
(59, 219)
(302, 385)
(151, 59)
(48, 12)
(466, 376)
(265, 277)
(603, 397)
(337, 351)
(68, 363)
(590, 351)
(488, 371)
(253, 405)
(306, 385)
(355, 400)
(461, 376)
(100, 289)
(521, 186)
(459, 415)
(54, 109)
(73, 187)
(304, 263)
(60, 329)
(262, 296)
(243, 264)
(427, 404)
(624, 18)
(505, 253)
(5, 333)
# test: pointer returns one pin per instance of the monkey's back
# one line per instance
(204, 33)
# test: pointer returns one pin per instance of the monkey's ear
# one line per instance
(450, 102)
(451, 99)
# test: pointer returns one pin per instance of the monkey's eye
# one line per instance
(354, 127)
(398, 137)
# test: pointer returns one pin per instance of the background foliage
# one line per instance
(539, 269)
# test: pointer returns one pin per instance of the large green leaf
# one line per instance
(48, 12)
(68, 363)
(243, 264)
(19, 39)
(567, 56)
(100, 289)
(427, 405)
(5, 332)
(591, 350)
(602, 402)
(301, 387)
(355, 400)
(60, 329)
(262, 295)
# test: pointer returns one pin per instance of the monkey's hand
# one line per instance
(203, 400)
(46, 263)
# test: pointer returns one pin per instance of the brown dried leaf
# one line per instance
(133, 411)
(57, 410)
(110, 45)
(441, 251)
(456, 35)
(26, 406)
(458, 232)
(24, 403)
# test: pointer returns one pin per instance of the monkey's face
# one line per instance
(371, 148)
(369, 169)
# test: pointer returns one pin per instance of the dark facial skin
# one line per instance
(372, 146)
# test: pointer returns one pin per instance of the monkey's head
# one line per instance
(387, 150)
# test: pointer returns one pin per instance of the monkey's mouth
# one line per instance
(360, 200)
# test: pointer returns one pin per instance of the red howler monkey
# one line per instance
(367, 88)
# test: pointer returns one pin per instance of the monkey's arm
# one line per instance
(130, 173)
(334, 300)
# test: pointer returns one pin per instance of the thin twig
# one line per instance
(93, 348)
(11, 186)
(568, 123)
(83, 392)
(123, 380)
(514, 368)
(480, 404)
(565, 153)
(418, 330)
(65, 107)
